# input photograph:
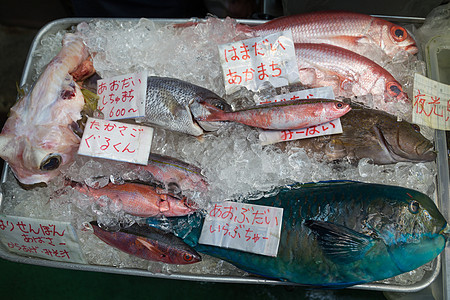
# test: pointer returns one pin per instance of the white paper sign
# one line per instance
(123, 96)
(431, 104)
(243, 226)
(116, 141)
(52, 240)
(252, 62)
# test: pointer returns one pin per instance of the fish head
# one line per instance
(339, 108)
(394, 38)
(38, 137)
(402, 141)
(205, 104)
(411, 227)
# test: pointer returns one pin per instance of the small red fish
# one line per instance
(349, 30)
(139, 199)
(285, 115)
(149, 243)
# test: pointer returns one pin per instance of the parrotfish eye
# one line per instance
(188, 257)
(50, 162)
(414, 207)
(399, 33)
(394, 89)
(416, 127)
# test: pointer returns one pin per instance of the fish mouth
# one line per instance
(412, 49)
(445, 231)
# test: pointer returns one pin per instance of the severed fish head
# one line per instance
(38, 138)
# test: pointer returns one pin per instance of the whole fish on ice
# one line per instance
(369, 133)
(138, 199)
(353, 31)
(284, 115)
(148, 243)
(177, 105)
(38, 137)
(349, 74)
(338, 234)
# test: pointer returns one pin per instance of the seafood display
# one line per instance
(373, 134)
(358, 206)
(337, 234)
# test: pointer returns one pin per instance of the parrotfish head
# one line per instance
(207, 103)
(411, 227)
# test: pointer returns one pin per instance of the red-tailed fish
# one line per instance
(139, 199)
(38, 137)
(349, 30)
(148, 243)
(349, 73)
(285, 115)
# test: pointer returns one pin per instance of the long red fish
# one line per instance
(285, 115)
(139, 199)
(149, 243)
(349, 30)
(349, 73)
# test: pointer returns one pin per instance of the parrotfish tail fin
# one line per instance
(340, 244)
(216, 114)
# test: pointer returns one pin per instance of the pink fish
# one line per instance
(349, 30)
(148, 243)
(139, 199)
(38, 137)
(285, 115)
(349, 73)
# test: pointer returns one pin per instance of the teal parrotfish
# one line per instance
(340, 233)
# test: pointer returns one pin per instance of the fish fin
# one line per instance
(149, 246)
(341, 244)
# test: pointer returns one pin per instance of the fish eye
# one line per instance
(220, 106)
(416, 127)
(50, 162)
(414, 207)
(339, 105)
(399, 33)
(394, 89)
(188, 257)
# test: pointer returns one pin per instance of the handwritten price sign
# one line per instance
(40, 238)
(246, 227)
(431, 106)
(117, 141)
(252, 62)
(122, 96)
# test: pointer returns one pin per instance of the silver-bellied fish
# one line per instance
(369, 133)
(177, 105)
(340, 233)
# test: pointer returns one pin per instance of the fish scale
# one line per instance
(335, 235)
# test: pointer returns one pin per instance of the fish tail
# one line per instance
(216, 114)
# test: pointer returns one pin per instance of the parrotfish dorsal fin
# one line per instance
(341, 244)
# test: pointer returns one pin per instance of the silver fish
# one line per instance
(176, 105)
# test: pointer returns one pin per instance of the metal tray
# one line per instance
(62, 24)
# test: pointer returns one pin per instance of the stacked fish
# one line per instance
(325, 239)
